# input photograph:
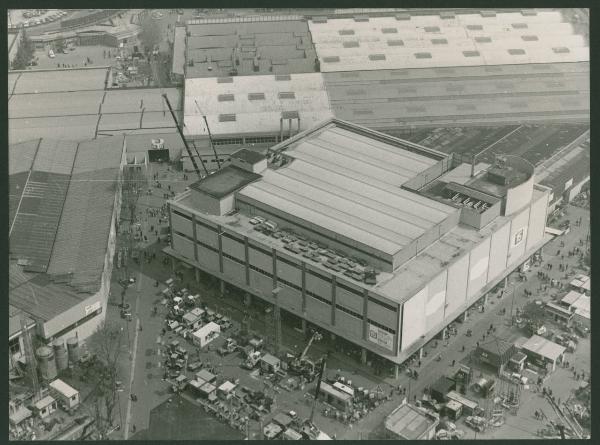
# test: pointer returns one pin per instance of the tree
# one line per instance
(106, 345)
(150, 34)
(535, 315)
(24, 53)
(59, 45)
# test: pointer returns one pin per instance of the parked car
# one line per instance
(195, 366)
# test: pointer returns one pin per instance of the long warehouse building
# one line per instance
(376, 240)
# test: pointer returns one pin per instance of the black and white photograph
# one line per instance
(299, 224)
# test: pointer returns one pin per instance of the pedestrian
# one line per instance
(133, 428)
(419, 363)
(453, 362)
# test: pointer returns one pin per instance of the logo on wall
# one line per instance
(381, 337)
(519, 236)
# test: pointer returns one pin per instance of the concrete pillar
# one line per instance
(197, 275)
(332, 336)
(396, 371)
(281, 129)
(172, 266)
(222, 287)
(298, 124)
(421, 352)
(290, 127)
(485, 299)
(247, 299)
(363, 356)
(444, 331)
(465, 316)
(304, 326)
(505, 281)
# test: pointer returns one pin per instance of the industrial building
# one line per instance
(394, 72)
(64, 206)
(374, 239)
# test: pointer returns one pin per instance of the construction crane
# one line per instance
(300, 364)
(209, 135)
(309, 429)
(187, 147)
(31, 361)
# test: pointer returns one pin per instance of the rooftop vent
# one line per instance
(227, 118)
(346, 32)
(256, 96)
(561, 50)
(287, 95)
(516, 52)
(471, 53)
(530, 38)
(224, 79)
(331, 59)
(282, 77)
(519, 25)
(395, 43)
(432, 29)
(483, 39)
(361, 18)
(351, 44)
(423, 55)
(376, 56)
(226, 98)
(475, 27)
(439, 41)
(404, 16)
(389, 30)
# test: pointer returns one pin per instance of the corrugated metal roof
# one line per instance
(179, 51)
(21, 156)
(55, 156)
(61, 80)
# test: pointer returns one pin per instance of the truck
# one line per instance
(252, 360)
(229, 347)
(476, 423)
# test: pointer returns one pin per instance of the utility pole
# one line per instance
(512, 303)
(277, 319)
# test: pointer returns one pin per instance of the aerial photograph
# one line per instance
(299, 224)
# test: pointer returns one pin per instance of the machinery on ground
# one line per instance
(301, 365)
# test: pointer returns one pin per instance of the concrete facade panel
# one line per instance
(318, 286)
(234, 248)
(208, 258)
(180, 224)
(414, 320)
(498, 252)
(318, 311)
(537, 221)
(518, 236)
(183, 246)
(293, 274)
(434, 309)
(456, 291)
(207, 236)
(382, 315)
(350, 326)
(260, 260)
(349, 299)
(261, 283)
(480, 260)
(233, 270)
(205, 203)
(290, 299)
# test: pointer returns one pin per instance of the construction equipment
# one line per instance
(31, 361)
(187, 147)
(477, 423)
(229, 347)
(209, 135)
(309, 429)
(252, 360)
(301, 365)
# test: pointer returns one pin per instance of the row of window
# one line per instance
(349, 312)
(228, 141)
(261, 140)
(78, 323)
(259, 270)
(382, 327)
(289, 284)
(317, 297)
(255, 96)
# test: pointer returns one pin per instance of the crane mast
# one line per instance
(31, 361)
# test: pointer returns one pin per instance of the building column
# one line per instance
(332, 336)
(421, 352)
(172, 266)
(363, 356)
(396, 371)
(197, 275)
(280, 129)
(485, 299)
(465, 316)
(304, 326)
(247, 299)
(222, 287)
(290, 127)
(505, 282)
(444, 331)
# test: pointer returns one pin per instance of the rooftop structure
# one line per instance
(476, 95)
(63, 197)
(544, 347)
(400, 42)
(410, 423)
(179, 51)
(224, 181)
(262, 45)
(249, 105)
(74, 105)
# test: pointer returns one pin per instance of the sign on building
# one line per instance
(381, 337)
(92, 308)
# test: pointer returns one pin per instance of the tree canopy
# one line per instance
(24, 53)
(150, 34)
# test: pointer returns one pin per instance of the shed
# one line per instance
(269, 363)
(272, 430)
(581, 283)
(543, 352)
(517, 361)
(335, 397)
(206, 334)
(454, 409)
(291, 434)
(409, 423)
(282, 419)
(496, 352)
(46, 406)
(440, 388)
(17, 413)
(226, 389)
(190, 318)
(469, 405)
(206, 376)
(67, 395)
(208, 390)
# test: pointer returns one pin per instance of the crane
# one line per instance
(187, 147)
(309, 429)
(31, 362)
(209, 135)
(300, 364)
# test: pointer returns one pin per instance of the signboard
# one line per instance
(519, 236)
(92, 308)
(381, 337)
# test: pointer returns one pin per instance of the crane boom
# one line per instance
(187, 147)
(315, 336)
(209, 135)
(31, 361)
(318, 387)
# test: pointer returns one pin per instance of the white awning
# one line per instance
(555, 232)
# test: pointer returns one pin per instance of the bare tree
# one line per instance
(106, 345)
(150, 34)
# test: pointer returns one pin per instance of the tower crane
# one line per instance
(209, 134)
(187, 147)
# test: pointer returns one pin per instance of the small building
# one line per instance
(45, 407)
(65, 394)
(272, 431)
(453, 409)
(440, 388)
(582, 314)
(269, 363)
(335, 397)
(469, 406)
(283, 420)
(206, 334)
(517, 362)
(543, 353)
(17, 412)
(249, 160)
(581, 283)
(206, 376)
(291, 434)
(208, 391)
(559, 313)
(225, 391)
(409, 423)
(496, 352)
(344, 388)
(191, 318)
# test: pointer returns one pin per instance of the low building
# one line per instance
(581, 283)
(559, 313)
(16, 345)
(67, 396)
(335, 397)
(206, 376)
(582, 312)
(206, 334)
(409, 423)
(226, 389)
(45, 406)
(495, 352)
(543, 353)
(269, 363)
(440, 388)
